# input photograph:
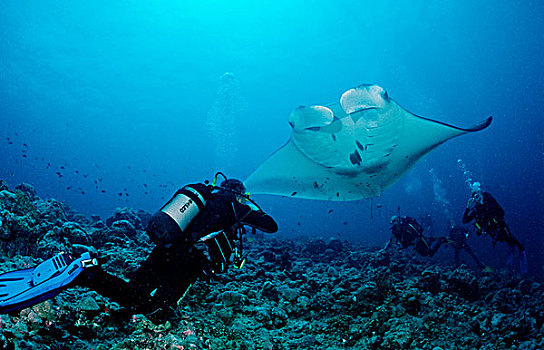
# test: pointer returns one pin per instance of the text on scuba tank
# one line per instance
(186, 205)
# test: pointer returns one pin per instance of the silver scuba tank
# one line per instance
(184, 206)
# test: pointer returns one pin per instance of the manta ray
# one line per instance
(350, 150)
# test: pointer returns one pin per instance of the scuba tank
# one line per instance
(168, 224)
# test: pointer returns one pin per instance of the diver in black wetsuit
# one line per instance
(488, 218)
(196, 234)
(407, 232)
(458, 238)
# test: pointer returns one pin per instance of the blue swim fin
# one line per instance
(23, 288)
(510, 258)
(522, 262)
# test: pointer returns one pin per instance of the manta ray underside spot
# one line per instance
(350, 150)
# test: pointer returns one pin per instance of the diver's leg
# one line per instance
(471, 253)
(457, 254)
(110, 286)
(513, 242)
(166, 275)
(189, 265)
(435, 245)
(137, 293)
(148, 276)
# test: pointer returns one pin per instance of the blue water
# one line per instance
(131, 98)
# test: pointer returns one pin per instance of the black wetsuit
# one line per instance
(489, 219)
(409, 232)
(171, 268)
(458, 239)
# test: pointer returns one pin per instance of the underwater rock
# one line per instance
(232, 298)
(27, 189)
(144, 217)
(74, 233)
(270, 291)
(124, 228)
(335, 245)
(430, 281)
(3, 185)
(89, 304)
(99, 224)
(463, 282)
(18, 203)
(331, 296)
(127, 214)
(289, 294)
(279, 317)
(51, 210)
(45, 311)
(315, 246)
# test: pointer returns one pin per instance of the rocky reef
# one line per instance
(291, 294)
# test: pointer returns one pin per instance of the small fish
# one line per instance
(103, 191)
(68, 188)
(330, 211)
(62, 167)
(292, 194)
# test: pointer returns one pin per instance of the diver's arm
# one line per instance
(255, 218)
(388, 244)
(470, 213)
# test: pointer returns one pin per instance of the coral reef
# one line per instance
(291, 294)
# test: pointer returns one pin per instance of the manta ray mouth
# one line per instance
(366, 108)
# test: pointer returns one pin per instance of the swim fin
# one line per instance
(522, 262)
(23, 288)
(510, 259)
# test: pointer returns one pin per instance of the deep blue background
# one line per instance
(124, 92)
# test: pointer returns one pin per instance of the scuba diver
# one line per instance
(488, 218)
(458, 238)
(195, 235)
(407, 232)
